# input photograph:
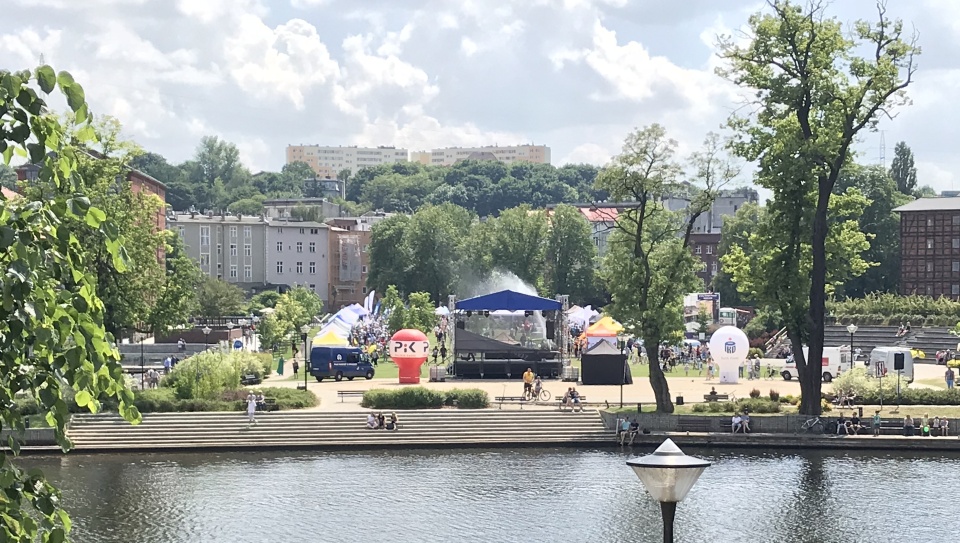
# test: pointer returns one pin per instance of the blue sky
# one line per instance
(576, 75)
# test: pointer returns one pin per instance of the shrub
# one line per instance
(164, 400)
(403, 398)
(700, 408)
(774, 396)
(469, 398)
(758, 405)
(755, 351)
(825, 406)
(715, 407)
(207, 375)
(755, 393)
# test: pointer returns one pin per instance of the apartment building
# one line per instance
(537, 154)
(298, 254)
(930, 247)
(327, 162)
(228, 247)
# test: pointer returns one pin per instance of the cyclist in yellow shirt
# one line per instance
(528, 382)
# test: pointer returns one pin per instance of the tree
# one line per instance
(307, 213)
(650, 267)
(218, 298)
(902, 169)
(570, 255)
(267, 298)
(435, 241)
(308, 300)
(52, 336)
(290, 315)
(736, 232)
(8, 177)
(389, 257)
(812, 95)
(420, 315)
(270, 332)
(393, 308)
(517, 244)
(881, 225)
(176, 301)
(702, 321)
(247, 206)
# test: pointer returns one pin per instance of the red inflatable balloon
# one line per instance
(409, 350)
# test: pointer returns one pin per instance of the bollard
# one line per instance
(639, 407)
(860, 411)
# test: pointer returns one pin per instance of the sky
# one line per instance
(576, 75)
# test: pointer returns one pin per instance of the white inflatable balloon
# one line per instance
(729, 347)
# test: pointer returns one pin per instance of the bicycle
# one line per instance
(771, 374)
(531, 395)
(818, 425)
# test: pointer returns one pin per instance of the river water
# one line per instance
(493, 496)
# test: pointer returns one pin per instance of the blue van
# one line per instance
(339, 362)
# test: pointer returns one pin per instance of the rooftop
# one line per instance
(931, 204)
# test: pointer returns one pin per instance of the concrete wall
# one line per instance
(32, 437)
(776, 424)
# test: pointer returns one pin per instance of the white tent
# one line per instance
(442, 310)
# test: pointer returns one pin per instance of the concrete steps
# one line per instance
(318, 430)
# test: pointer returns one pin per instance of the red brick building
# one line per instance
(930, 247)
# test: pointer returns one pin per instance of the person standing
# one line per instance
(949, 377)
(251, 409)
(528, 382)
(296, 366)
(876, 423)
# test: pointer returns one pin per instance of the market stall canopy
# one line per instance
(603, 348)
(329, 338)
(510, 301)
(605, 327)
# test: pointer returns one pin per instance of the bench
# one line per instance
(519, 399)
(351, 393)
(583, 402)
(250, 379)
(700, 424)
(895, 427)
(269, 404)
(715, 397)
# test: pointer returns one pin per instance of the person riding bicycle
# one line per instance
(527, 381)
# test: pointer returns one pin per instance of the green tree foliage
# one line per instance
(570, 256)
(880, 224)
(307, 213)
(248, 206)
(8, 177)
(389, 257)
(393, 306)
(517, 242)
(308, 300)
(218, 298)
(650, 267)
(177, 298)
(736, 232)
(813, 93)
(270, 332)
(52, 336)
(261, 300)
(902, 169)
(434, 239)
(419, 315)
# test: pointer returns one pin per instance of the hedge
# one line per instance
(752, 405)
(164, 400)
(424, 398)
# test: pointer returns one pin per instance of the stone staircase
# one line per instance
(866, 339)
(319, 430)
(932, 339)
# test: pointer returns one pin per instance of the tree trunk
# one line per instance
(810, 380)
(658, 382)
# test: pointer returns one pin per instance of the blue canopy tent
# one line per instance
(510, 301)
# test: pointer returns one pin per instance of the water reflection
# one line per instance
(499, 496)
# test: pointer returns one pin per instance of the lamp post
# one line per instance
(852, 328)
(668, 475)
(305, 329)
(206, 337)
(142, 386)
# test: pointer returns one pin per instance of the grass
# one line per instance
(935, 383)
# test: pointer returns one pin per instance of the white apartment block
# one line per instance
(537, 154)
(298, 254)
(228, 247)
(328, 161)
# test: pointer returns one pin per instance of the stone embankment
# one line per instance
(288, 430)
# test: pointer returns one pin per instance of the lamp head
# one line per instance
(852, 328)
(206, 330)
(668, 474)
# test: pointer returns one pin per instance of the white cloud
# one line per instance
(307, 4)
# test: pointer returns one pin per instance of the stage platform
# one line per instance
(506, 369)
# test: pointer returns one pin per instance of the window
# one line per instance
(279, 267)
(204, 236)
(233, 231)
(219, 248)
(280, 230)
(279, 246)
(248, 272)
(363, 269)
(929, 290)
(698, 250)
(713, 268)
(314, 231)
(204, 260)
(247, 249)
(364, 290)
(302, 230)
(313, 246)
(299, 246)
(929, 244)
(299, 267)
(956, 266)
(930, 222)
(956, 243)
(181, 229)
(233, 271)
(233, 249)
(955, 290)
(247, 232)
(709, 249)
(929, 267)
(956, 220)
(313, 268)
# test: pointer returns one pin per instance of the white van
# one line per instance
(883, 361)
(833, 362)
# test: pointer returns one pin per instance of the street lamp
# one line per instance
(206, 337)
(852, 328)
(142, 386)
(668, 475)
(305, 329)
